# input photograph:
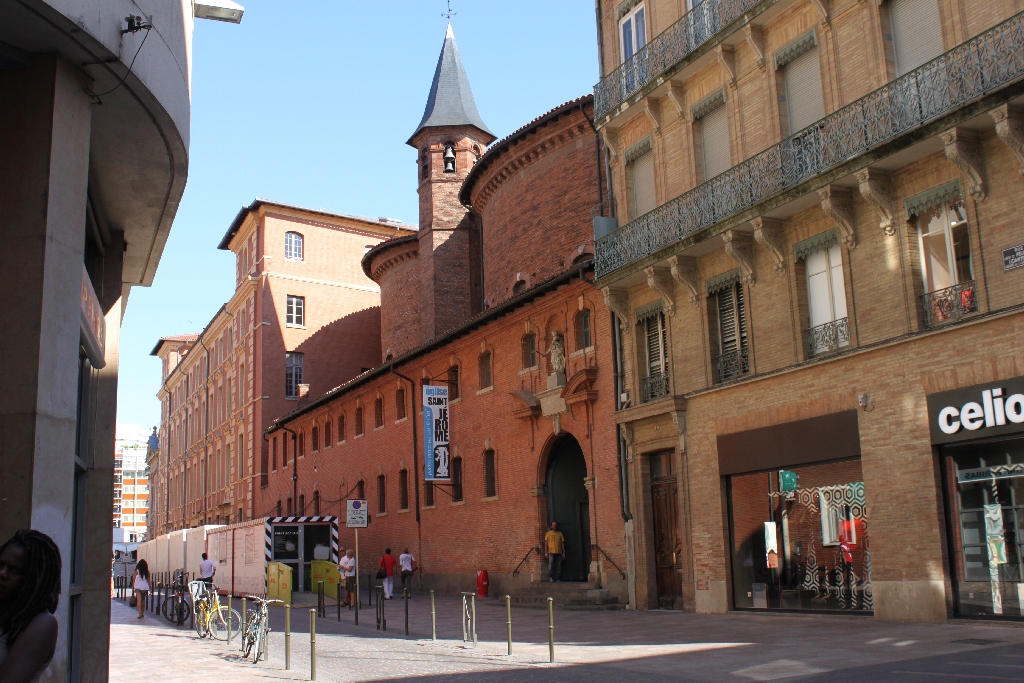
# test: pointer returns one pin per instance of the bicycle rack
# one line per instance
(382, 623)
(469, 618)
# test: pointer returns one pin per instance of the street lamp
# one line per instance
(218, 10)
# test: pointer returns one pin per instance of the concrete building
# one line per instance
(304, 318)
(131, 487)
(75, 123)
(817, 276)
(510, 323)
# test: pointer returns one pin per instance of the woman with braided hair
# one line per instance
(29, 590)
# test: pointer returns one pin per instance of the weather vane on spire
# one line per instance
(449, 14)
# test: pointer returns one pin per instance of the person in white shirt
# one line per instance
(347, 567)
(408, 564)
(207, 570)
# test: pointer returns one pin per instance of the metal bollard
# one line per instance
(551, 630)
(312, 644)
(465, 629)
(508, 621)
(405, 596)
(244, 629)
(339, 600)
(287, 637)
(321, 606)
(433, 617)
(472, 602)
(229, 619)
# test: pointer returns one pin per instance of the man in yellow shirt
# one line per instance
(555, 544)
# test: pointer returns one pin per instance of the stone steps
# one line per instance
(565, 595)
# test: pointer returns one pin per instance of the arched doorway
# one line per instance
(569, 505)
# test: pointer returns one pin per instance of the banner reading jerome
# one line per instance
(435, 434)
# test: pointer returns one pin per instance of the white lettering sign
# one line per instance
(436, 427)
(355, 514)
(993, 411)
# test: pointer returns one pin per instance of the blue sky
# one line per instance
(310, 102)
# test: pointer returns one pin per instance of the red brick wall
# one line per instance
(397, 271)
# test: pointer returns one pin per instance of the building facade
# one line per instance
(304, 318)
(131, 488)
(524, 352)
(817, 278)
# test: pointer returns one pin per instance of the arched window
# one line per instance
(316, 502)
(359, 421)
(382, 495)
(476, 154)
(327, 434)
(400, 404)
(293, 246)
(341, 427)
(529, 345)
(290, 511)
(490, 474)
(457, 479)
(302, 504)
(314, 435)
(484, 369)
(424, 164)
(403, 489)
(302, 444)
(284, 452)
(584, 339)
(453, 382)
(378, 412)
(273, 455)
(361, 489)
(278, 508)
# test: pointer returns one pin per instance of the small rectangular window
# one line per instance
(293, 375)
(583, 333)
(804, 102)
(453, 382)
(400, 404)
(529, 348)
(714, 135)
(632, 32)
(378, 412)
(359, 421)
(428, 494)
(403, 489)
(457, 479)
(484, 369)
(382, 492)
(916, 33)
(341, 428)
(490, 478)
(641, 175)
(295, 311)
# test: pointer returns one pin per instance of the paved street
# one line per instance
(591, 647)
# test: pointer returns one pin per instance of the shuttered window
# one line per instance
(826, 294)
(916, 32)
(657, 342)
(804, 102)
(714, 133)
(732, 320)
(642, 171)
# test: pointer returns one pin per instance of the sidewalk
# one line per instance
(591, 647)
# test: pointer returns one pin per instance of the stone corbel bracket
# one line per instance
(727, 60)
(617, 300)
(1010, 129)
(611, 143)
(684, 271)
(768, 233)
(659, 281)
(874, 187)
(822, 7)
(653, 112)
(837, 203)
(755, 41)
(740, 247)
(676, 96)
(963, 148)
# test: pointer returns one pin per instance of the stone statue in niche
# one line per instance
(556, 352)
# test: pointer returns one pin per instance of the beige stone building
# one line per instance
(816, 271)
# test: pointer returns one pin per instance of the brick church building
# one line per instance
(491, 293)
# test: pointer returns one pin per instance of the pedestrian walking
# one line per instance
(30, 569)
(207, 570)
(408, 565)
(555, 542)
(140, 582)
(347, 567)
(386, 572)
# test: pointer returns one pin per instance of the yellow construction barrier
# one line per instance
(279, 582)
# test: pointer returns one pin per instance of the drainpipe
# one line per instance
(415, 460)
(597, 150)
(295, 468)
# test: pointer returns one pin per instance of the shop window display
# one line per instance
(986, 497)
(800, 538)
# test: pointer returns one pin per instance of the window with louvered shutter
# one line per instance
(714, 133)
(916, 32)
(642, 169)
(804, 103)
(732, 323)
(656, 343)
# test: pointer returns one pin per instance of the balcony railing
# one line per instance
(693, 29)
(972, 69)
(654, 387)
(950, 304)
(831, 336)
(731, 364)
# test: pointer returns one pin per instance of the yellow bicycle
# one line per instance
(212, 619)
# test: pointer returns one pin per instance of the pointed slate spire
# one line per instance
(451, 100)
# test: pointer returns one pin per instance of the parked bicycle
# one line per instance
(210, 618)
(257, 628)
(177, 608)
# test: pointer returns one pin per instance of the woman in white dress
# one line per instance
(140, 582)
(29, 590)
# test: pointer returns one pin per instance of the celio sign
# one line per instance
(977, 411)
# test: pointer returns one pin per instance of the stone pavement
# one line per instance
(591, 647)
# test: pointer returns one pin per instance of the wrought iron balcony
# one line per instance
(950, 304)
(829, 337)
(977, 67)
(731, 364)
(667, 49)
(654, 387)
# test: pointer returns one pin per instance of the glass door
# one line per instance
(288, 550)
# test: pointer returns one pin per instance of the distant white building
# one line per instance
(131, 485)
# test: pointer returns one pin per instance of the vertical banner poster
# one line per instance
(436, 456)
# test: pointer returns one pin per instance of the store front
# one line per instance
(798, 516)
(979, 432)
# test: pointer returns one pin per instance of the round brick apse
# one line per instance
(394, 265)
(536, 192)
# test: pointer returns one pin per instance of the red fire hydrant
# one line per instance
(481, 583)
